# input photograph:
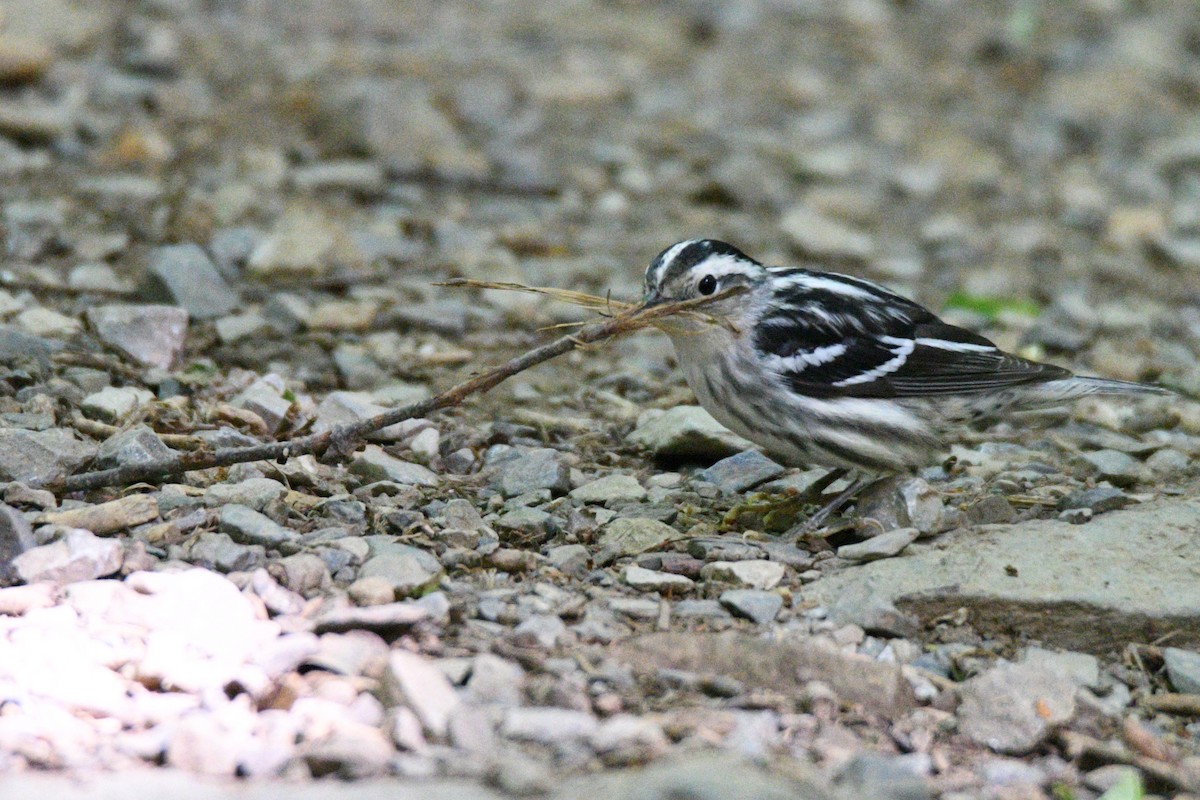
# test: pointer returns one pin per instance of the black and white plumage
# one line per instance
(827, 369)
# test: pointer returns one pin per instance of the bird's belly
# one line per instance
(863, 434)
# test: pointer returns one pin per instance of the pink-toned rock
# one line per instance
(79, 555)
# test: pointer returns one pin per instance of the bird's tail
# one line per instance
(1078, 386)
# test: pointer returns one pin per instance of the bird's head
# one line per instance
(698, 268)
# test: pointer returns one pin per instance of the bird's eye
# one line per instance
(708, 285)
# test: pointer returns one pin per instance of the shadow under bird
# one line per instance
(824, 369)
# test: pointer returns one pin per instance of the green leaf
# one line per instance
(991, 307)
(1127, 787)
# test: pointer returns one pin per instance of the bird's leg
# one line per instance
(814, 522)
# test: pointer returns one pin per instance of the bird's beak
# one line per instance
(653, 299)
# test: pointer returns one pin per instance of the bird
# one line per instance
(823, 369)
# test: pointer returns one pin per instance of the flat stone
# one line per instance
(136, 445)
(255, 493)
(339, 408)
(1088, 588)
(543, 630)
(265, 398)
(1099, 499)
(15, 343)
(752, 573)
(409, 570)
(16, 537)
(1012, 708)
(47, 322)
(79, 555)
(757, 606)
(114, 403)
(152, 335)
(548, 725)
(627, 536)
(248, 526)
(104, 518)
(541, 468)
(303, 573)
(1183, 667)
(884, 545)
(41, 456)
(183, 275)
(569, 558)
(783, 664)
(686, 432)
(742, 471)
(610, 489)
(374, 464)
(1119, 469)
(496, 681)
(219, 551)
(653, 581)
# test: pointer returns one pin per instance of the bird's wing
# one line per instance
(826, 339)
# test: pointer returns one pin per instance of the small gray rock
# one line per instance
(183, 275)
(609, 490)
(496, 681)
(742, 471)
(410, 571)
(1119, 469)
(16, 537)
(883, 546)
(632, 535)
(114, 403)
(1012, 708)
(218, 551)
(653, 581)
(541, 468)
(374, 464)
(41, 456)
(686, 432)
(548, 726)
(757, 606)
(1098, 499)
(149, 334)
(571, 559)
(255, 493)
(248, 526)
(1183, 667)
(265, 398)
(545, 630)
(136, 445)
(752, 573)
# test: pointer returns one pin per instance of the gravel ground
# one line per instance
(223, 223)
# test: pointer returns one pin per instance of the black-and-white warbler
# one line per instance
(831, 370)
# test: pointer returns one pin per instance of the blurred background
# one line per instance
(1032, 167)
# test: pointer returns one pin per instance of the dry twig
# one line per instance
(340, 439)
